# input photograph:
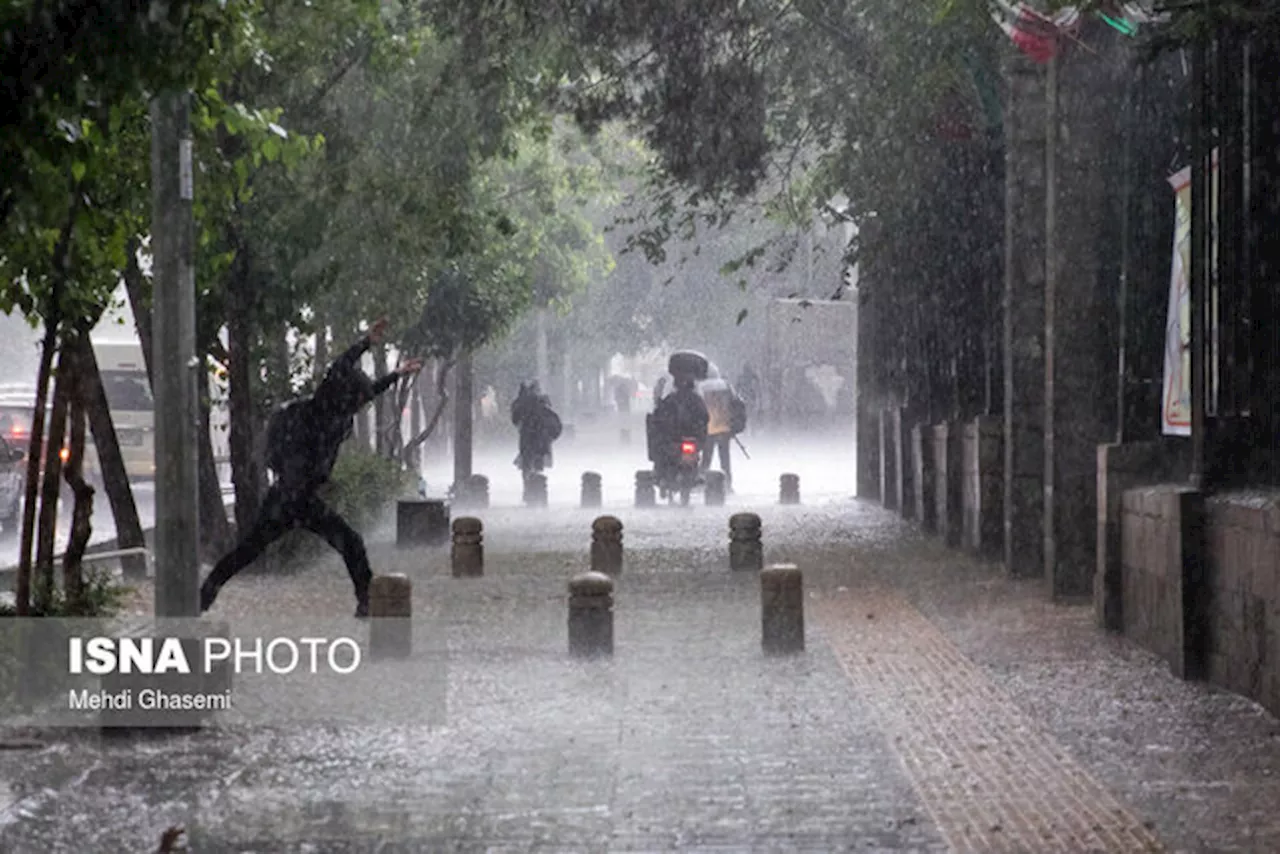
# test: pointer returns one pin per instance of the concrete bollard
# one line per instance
(468, 547)
(789, 491)
(645, 490)
(715, 490)
(390, 617)
(745, 548)
(475, 492)
(782, 609)
(606, 545)
(591, 492)
(591, 615)
(535, 490)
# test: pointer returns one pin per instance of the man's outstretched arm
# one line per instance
(410, 367)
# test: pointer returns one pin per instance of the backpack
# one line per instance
(737, 415)
(286, 422)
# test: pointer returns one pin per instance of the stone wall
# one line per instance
(1201, 585)
(922, 457)
(1162, 579)
(888, 460)
(982, 487)
(1243, 607)
(948, 448)
(1121, 468)
(904, 465)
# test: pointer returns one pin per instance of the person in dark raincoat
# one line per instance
(303, 441)
(539, 427)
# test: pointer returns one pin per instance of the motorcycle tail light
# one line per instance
(688, 448)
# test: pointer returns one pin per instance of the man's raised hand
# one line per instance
(410, 367)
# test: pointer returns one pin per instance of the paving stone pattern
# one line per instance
(966, 714)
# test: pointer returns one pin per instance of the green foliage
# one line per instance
(101, 596)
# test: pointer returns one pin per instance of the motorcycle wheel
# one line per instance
(684, 498)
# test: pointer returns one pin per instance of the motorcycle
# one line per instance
(683, 474)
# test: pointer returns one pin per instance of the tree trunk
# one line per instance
(115, 481)
(321, 361)
(22, 591)
(382, 406)
(82, 514)
(413, 456)
(244, 465)
(52, 320)
(215, 530)
(442, 400)
(49, 489)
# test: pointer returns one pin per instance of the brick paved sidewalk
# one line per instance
(939, 707)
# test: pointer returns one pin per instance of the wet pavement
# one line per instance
(938, 706)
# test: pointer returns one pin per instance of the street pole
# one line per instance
(173, 358)
(462, 409)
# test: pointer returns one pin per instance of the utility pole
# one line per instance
(543, 359)
(462, 409)
(173, 356)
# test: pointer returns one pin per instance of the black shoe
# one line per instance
(207, 595)
(362, 609)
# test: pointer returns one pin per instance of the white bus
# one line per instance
(124, 379)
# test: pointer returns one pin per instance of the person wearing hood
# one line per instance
(303, 442)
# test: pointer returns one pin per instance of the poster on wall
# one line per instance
(1176, 400)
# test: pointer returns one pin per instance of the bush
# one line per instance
(101, 597)
(360, 489)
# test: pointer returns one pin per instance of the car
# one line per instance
(12, 478)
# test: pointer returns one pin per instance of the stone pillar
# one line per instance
(1121, 468)
(645, 496)
(1080, 308)
(888, 460)
(746, 549)
(782, 609)
(535, 490)
(592, 495)
(983, 487)
(947, 449)
(789, 489)
(606, 545)
(467, 553)
(1023, 311)
(925, 493)
(714, 493)
(903, 464)
(591, 615)
(391, 617)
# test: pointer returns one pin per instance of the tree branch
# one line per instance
(443, 395)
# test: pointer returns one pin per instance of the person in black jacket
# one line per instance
(303, 442)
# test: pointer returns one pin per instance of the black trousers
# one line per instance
(282, 512)
(718, 442)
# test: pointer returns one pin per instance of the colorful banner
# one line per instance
(1176, 405)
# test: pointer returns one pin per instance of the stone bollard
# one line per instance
(475, 492)
(782, 609)
(645, 495)
(390, 613)
(591, 493)
(606, 545)
(745, 548)
(535, 490)
(715, 490)
(468, 547)
(591, 615)
(789, 492)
